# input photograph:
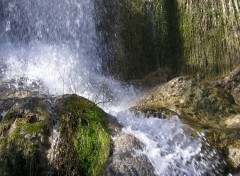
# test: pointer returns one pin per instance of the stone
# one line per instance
(234, 154)
(191, 100)
(206, 106)
(125, 159)
(27, 132)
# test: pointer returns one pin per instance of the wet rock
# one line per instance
(127, 158)
(84, 144)
(202, 105)
(29, 122)
(191, 100)
(234, 154)
(231, 82)
(114, 127)
(21, 87)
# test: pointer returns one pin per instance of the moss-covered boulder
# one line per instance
(24, 134)
(42, 135)
(207, 108)
(84, 144)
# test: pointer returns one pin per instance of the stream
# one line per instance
(54, 44)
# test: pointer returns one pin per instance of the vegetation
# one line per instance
(210, 32)
(84, 138)
(22, 134)
(84, 142)
(141, 37)
(185, 37)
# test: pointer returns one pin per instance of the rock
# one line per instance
(231, 82)
(64, 135)
(234, 154)
(202, 105)
(191, 100)
(84, 144)
(114, 127)
(126, 158)
(24, 141)
(21, 87)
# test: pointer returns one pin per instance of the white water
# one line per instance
(54, 42)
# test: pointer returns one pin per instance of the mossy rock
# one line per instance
(202, 106)
(26, 130)
(192, 100)
(228, 141)
(142, 36)
(84, 146)
(24, 138)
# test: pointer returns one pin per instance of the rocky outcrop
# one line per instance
(62, 135)
(230, 82)
(210, 31)
(212, 110)
(45, 135)
(138, 37)
(183, 36)
(193, 100)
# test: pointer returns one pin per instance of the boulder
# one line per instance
(202, 105)
(41, 135)
(194, 101)
(63, 135)
(126, 158)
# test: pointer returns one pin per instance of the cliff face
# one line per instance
(138, 36)
(210, 32)
(183, 36)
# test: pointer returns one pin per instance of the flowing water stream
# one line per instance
(54, 44)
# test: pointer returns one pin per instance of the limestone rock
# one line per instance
(191, 100)
(231, 82)
(41, 135)
(202, 105)
(234, 154)
(126, 160)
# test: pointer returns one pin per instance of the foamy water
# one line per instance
(55, 44)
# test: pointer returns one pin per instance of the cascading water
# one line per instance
(53, 43)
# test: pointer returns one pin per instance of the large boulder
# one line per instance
(64, 135)
(207, 108)
(42, 135)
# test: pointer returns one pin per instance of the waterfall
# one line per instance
(54, 42)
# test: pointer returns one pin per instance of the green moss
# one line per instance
(92, 144)
(21, 147)
(84, 136)
(210, 37)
